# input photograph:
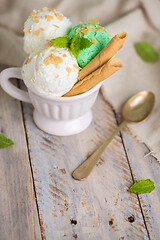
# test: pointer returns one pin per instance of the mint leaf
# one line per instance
(5, 142)
(75, 43)
(76, 38)
(85, 43)
(143, 186)
(75, 51)
(146, 51)
(79, 43)
(61, 42)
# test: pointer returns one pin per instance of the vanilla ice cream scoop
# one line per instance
(42, 26)
(50, 72)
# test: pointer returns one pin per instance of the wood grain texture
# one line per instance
(145, 168)
(18, 213)
(99, 207)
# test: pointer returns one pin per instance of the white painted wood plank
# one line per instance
(100, 206)
(18, 215)
(145, 168)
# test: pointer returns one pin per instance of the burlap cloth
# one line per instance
(140, 19)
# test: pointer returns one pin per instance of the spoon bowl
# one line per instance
(138, 107)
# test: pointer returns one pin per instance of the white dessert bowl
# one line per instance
(60, 116)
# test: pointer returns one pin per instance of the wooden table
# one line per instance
(40, 200)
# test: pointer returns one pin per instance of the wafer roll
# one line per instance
(106, 54)
(95, 77)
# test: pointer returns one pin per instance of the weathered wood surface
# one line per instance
(143, 168)
(99, 207)
(18, 213)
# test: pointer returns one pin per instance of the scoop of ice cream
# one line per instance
(95, 33)
(42, 26)
(52, 71)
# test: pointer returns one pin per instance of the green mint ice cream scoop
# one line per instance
(96, 34)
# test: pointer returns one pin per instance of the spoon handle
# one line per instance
(86, 167)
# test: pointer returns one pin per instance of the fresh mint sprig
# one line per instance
(76, 44)
(5, 142)
(143, 186)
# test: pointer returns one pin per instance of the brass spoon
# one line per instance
(135, 110)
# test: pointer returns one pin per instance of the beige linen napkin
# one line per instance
(142, 24)
(11, 48)
(13, 13)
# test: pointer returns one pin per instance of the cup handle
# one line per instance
(9, 88)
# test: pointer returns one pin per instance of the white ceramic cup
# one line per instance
(61, 116)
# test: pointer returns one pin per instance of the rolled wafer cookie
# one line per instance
(105, 55)
(95, 77)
